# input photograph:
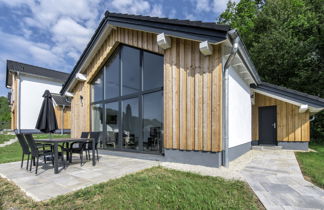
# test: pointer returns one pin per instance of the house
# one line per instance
(27, 84)
(185, 89)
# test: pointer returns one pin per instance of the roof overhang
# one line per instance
(85, 60)
(110, 21)
(179, 31)
(303, 103)
(242, 62)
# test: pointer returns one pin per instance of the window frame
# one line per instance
(119, 99)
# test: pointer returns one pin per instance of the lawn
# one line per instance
(154, 188)
(12, 152)
(312, 164)
(4, 138)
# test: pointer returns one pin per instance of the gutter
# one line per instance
(62, 130)
(225, 101)
(18, 102)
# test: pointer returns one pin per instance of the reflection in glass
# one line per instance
(152, 121)
(112, 78)
(130, 70)
(97, 117)
(112, 121)
(152, 71)
(131, 128)
(97, 88)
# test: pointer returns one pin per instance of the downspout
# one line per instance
(225, 100)
(18, 102)
(62, 130)
(312, 119)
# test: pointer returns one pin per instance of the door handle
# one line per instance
(274, 125)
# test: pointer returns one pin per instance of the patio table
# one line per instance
(67, 140)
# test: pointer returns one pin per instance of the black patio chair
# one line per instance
(79, 147)
(25, 149)
(96, 137)
(36, 152)
(67, 148)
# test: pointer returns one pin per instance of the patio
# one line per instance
(46, 184)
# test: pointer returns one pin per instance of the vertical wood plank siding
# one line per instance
(15, 101)
(192, 90)
(66, 116)
(291, 125)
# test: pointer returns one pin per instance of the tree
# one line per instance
(4, 111)
(242, 17)
(286, 42)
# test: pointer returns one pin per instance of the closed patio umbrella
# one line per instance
(46, 121)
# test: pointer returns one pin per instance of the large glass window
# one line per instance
(131, 127)
(97, 88)
(152, 121)
(97, 117)
(112, 77)
(112, 124)
(127, 101)
(152, 71)
(130, 70)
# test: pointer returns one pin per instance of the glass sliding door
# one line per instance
(112, 124)
(97, 117)
(152, 121)
(130, 124)
(127, 101)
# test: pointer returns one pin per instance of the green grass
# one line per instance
(13, 153)
(155, 188)
(312, 164)
(4, 138)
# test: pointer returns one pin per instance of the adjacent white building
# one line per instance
(27, 84)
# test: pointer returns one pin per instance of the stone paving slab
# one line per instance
(274, 176)
(277, 180)
(46, 185)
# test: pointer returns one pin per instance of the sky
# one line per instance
(54, 33)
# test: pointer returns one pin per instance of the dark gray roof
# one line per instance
(170, 22)
(195, 30)
(61, 100)
(15, 66)
(290, 94)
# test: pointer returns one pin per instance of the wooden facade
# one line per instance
(192, 90)
(66, 117)
(14, 99)
(291, 125)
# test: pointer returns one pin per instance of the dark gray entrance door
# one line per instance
(268, 125)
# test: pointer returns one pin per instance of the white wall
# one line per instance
(31, 92)
(239, 110)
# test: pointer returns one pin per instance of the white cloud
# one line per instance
(216, 6)
(220, 5)
(51, 33)
(18, 48)
(68, 32)
(131, 6)
(203, 5)
(156, 11)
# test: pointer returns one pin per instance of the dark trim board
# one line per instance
(237, 151)
(210, 159)
(299, 145)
